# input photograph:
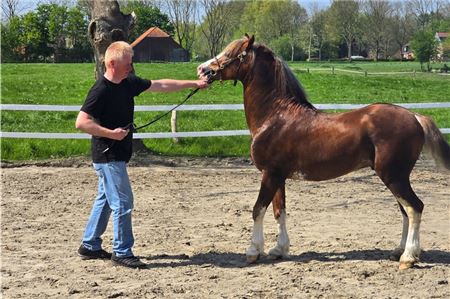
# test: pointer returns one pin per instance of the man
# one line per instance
(106, 114)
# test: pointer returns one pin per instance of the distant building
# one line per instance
(440, 38)
(407, 53)
(157, 45)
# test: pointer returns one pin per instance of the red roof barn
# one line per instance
(157, 45)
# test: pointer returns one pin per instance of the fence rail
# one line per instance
(333, 70)
(142, 108)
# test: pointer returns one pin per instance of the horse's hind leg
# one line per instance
(269, 185)
(397, 253)
(413, 207)
(279, 211)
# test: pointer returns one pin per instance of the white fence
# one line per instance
(9, 107)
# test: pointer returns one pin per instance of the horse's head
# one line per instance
(227, 65)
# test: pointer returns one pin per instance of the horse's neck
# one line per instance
(257, 106)
(260, 103)
(263, 96)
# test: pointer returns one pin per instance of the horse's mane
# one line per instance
(286, 83)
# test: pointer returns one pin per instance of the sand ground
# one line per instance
(192, 224)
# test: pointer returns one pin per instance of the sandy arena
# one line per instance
(192, 225)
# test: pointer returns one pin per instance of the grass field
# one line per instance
(67, 84)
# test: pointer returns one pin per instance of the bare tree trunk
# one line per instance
(216, 23)
(292, 52)
(349, 50)
(310, 44)
(183, 14)
(108, 24)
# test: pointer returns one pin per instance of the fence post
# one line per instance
(332, 70)
(365, 73)
(173, 124)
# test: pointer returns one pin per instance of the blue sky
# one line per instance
(30, 5)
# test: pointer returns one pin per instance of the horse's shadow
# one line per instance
(236, 260)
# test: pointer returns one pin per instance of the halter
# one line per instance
(240, 56)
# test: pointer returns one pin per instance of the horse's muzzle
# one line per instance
(208, 73)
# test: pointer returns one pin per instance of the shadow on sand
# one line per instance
(235, 260)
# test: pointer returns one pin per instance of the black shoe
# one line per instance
(87, 254)
(129, 261)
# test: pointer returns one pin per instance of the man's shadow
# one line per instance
(237, 260)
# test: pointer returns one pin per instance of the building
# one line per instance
(407, 53)
(157, 45)
(440, 38)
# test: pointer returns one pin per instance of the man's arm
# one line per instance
(168, 85)
(87, 124)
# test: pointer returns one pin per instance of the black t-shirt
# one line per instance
(112, 106)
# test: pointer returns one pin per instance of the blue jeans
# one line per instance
(114, 196)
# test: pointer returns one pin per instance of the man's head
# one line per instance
(118, 59)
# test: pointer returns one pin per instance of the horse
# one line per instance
(291, 139)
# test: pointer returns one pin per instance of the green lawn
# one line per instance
(67, 84)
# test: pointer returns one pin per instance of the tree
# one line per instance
(147, 16)
(421, 9)
(108, 24)
(11, 40)
(445, 55)
(318, 33)
(275, 23)
(344, 22)
(424, 47)
(79, 48)
(50, 33)
(402, 26)
(377, 17)
(183, 15)
(13, 8)
(296, 17)
(215, 24)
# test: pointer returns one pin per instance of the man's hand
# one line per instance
(202, 83)
(119, 134)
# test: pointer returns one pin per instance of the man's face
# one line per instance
(123, 67)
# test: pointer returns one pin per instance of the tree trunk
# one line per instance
(108, 25)
(292, 52)
(309, 45)
(349, 50)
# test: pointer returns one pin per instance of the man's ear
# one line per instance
(110, 64)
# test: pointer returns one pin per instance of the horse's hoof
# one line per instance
(251, 259)
(274, 257)
(395, 255)
(276, 254)
(405, 265)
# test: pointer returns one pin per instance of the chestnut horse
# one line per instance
(292, 139)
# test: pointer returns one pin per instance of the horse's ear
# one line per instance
(246, 35)
(251, 40)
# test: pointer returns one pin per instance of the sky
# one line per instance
(27, 5)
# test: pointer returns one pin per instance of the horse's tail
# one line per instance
(435, 142)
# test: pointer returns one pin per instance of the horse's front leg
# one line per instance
(269, 185)
(281, 250)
